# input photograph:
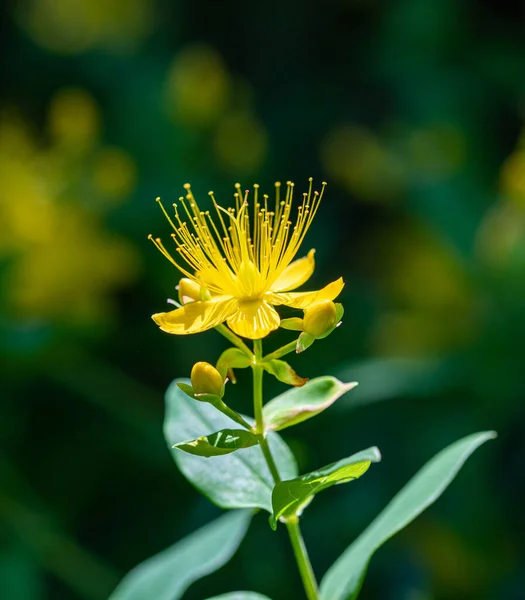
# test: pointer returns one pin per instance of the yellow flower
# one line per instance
(246, 269)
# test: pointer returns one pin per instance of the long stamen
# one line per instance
(220, 254)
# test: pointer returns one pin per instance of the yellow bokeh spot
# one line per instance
(74, 26)
(240, 143)
(436, 151)
(420, 270)
(197, 86)
(60, 262)
(356, 158)
(420, 332)
(513, 177)
(114, 173)
(74, 118)
(501, 237)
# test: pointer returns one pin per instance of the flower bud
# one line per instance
(189, 291)
(205, 379)
(320, 318)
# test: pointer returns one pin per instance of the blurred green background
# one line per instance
(413, 111)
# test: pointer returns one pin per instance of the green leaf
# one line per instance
(293, 324)
(232, 358)
(240, 596)
(304, 341)
(219, 443)
(284, 372)
(345, 577)
(297, 405)
(291, 497)
(237, 480)
(167, 575)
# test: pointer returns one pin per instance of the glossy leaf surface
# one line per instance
(345, 577)
(303, 403)
(219, 443)
(237, 480)
(290, 497)
(167, 575)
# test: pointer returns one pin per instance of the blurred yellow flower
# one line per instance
(247, 271)
(198, 86)
(240, 142)
(74, 26)
(61, 265)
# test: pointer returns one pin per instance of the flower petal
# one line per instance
(254, 319)
(295, 274)
(305, 299)
(195, 317)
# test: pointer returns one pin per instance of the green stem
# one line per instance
(233, 415)
(292, 524)
(301, 556)
(291, 347)
(265, 447)
(257, 387)
(235, 340)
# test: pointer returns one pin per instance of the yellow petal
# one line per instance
(305, 299)
(295, 274)
(254, 319)
(195, 317)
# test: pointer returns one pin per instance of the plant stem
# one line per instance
(234, 416)
(301, 556)
(291, 347)
(265, 447)
(292, 524)
(235, 340)
(257, 387)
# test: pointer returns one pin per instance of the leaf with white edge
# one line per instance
(237, 480)
(167, 575)
(345, 577)
(300, 404)
(219, 443)
(282, 371)
(304, 341)
(240, 596)
(289, 498)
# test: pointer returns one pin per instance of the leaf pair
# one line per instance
(167, 575)
(288, 409)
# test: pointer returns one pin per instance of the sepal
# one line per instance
(284, 372)
(232, 358)
(304, 341)
(293, 324)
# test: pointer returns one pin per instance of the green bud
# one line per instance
(205, 379)
(320, 318)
